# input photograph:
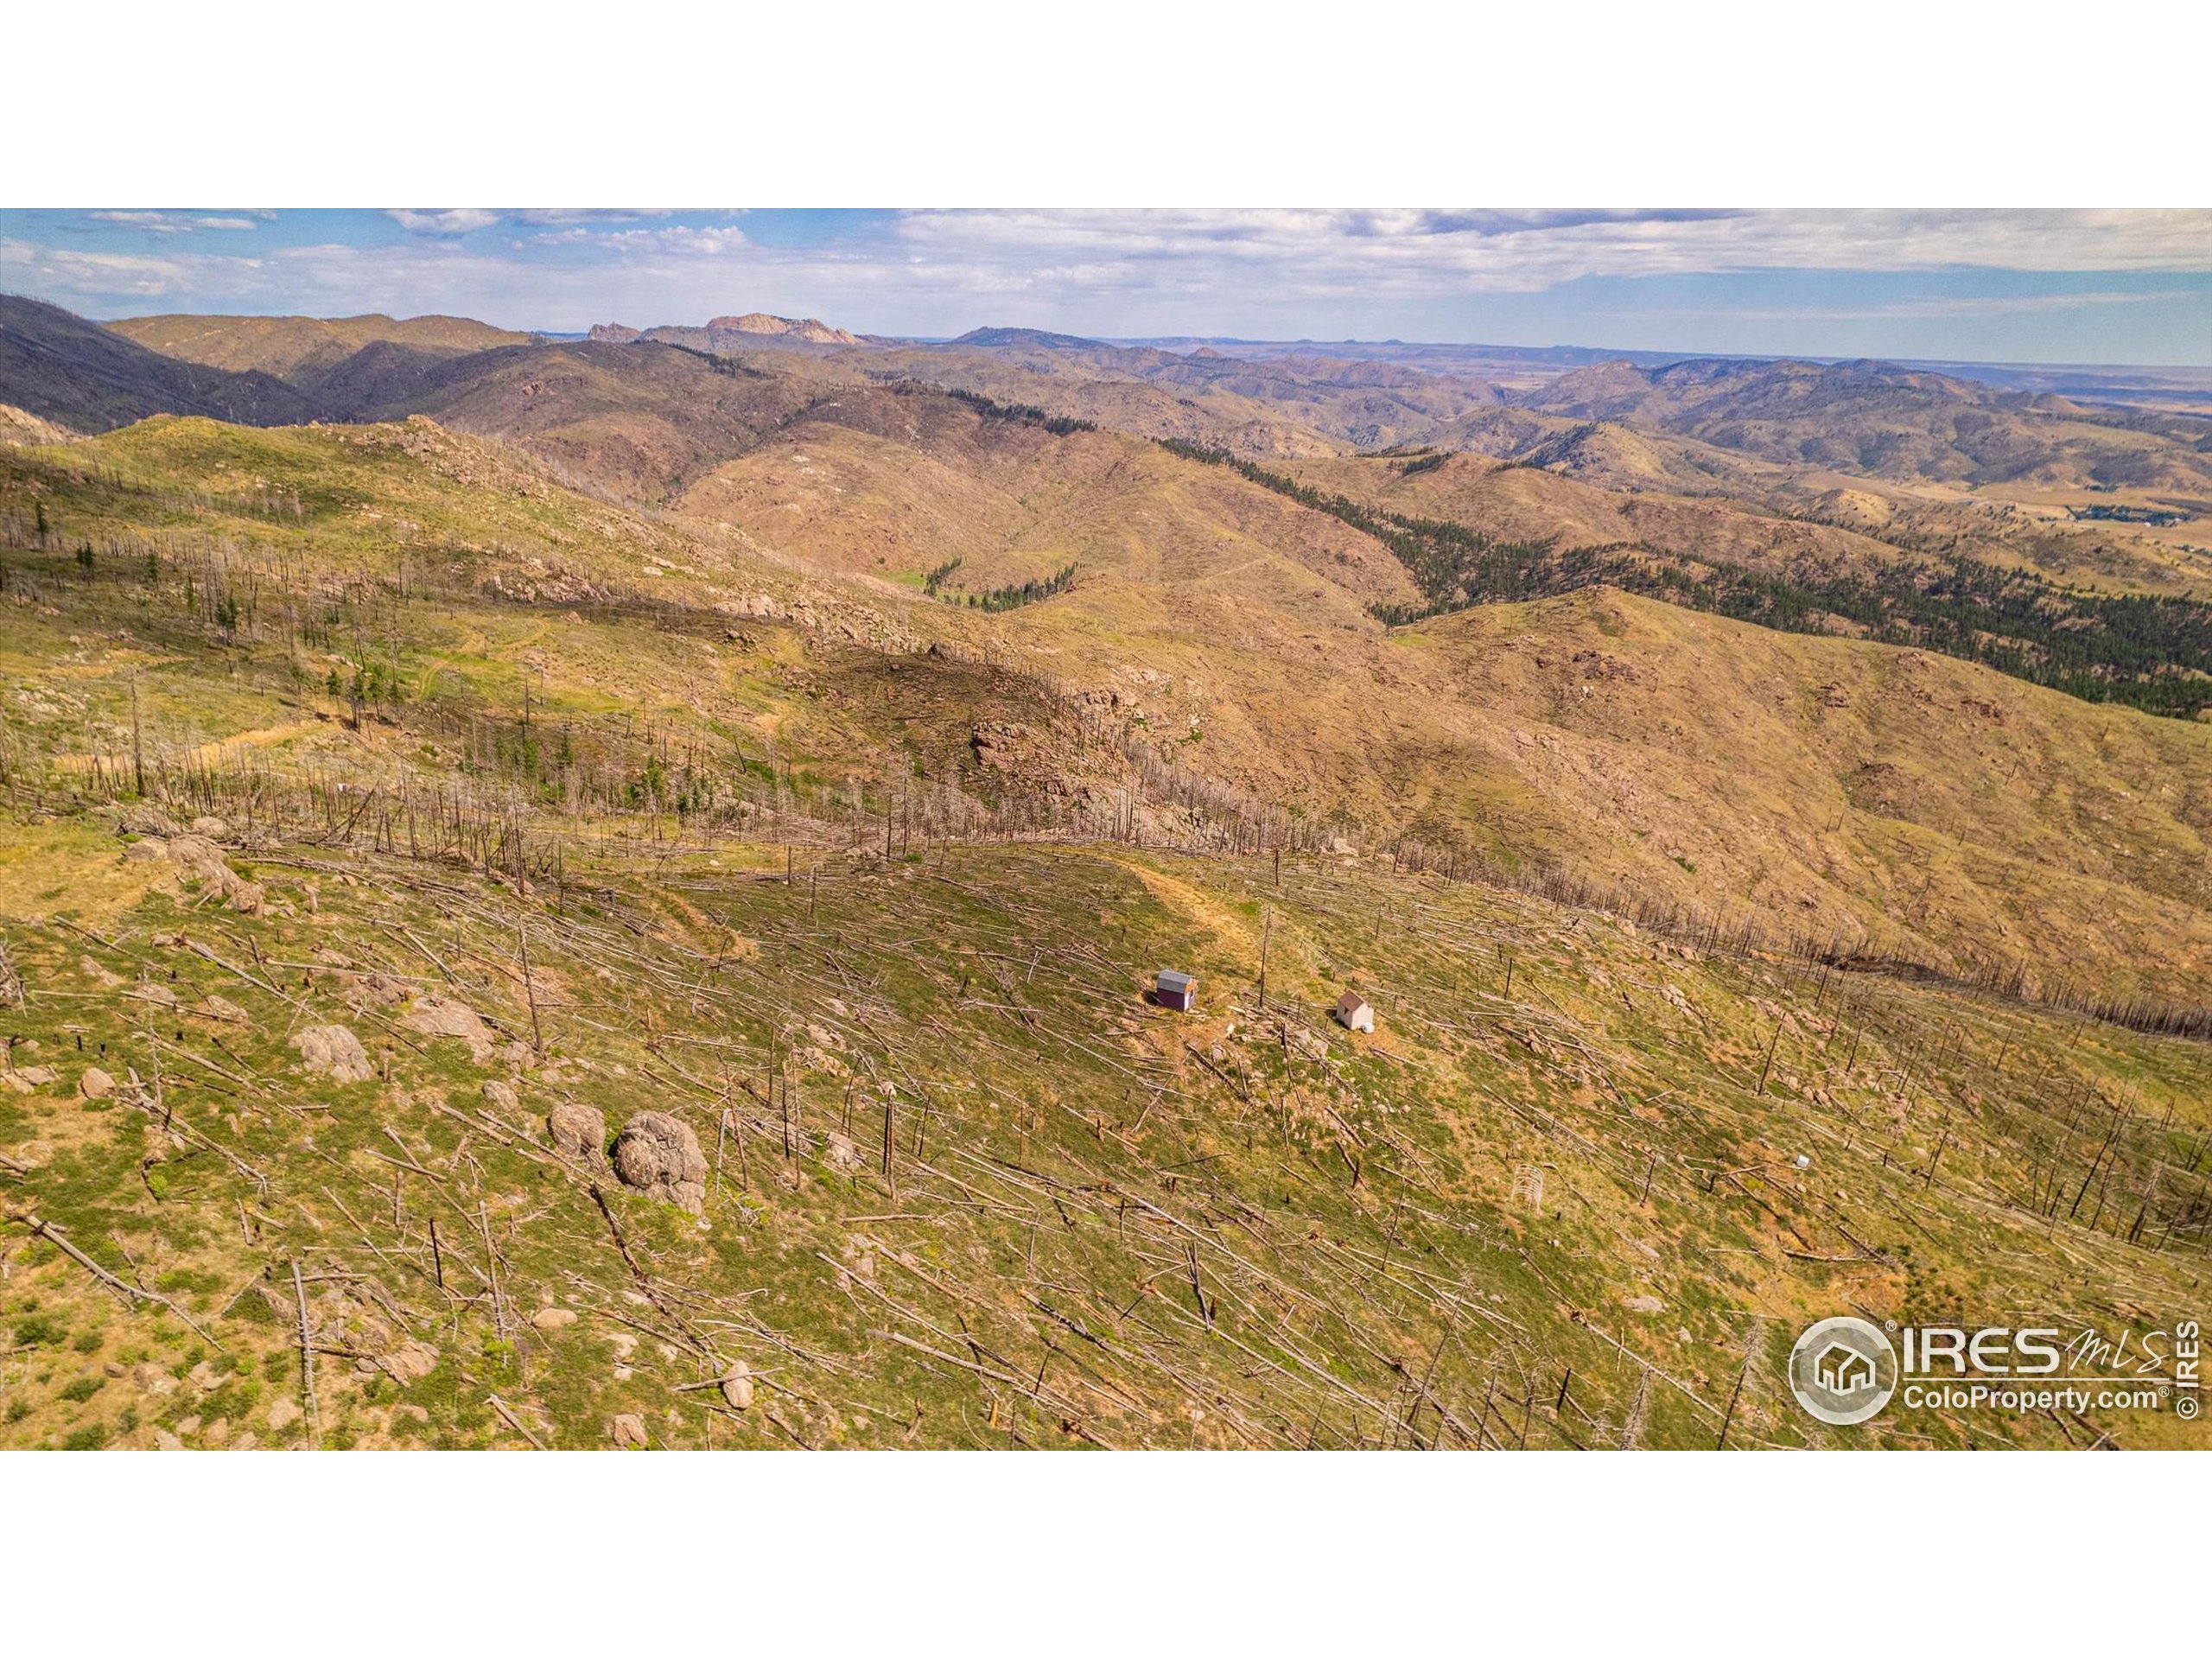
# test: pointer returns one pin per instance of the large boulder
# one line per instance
(579, 1131)
(660, 1157)
(335, 1050)
(203, 860)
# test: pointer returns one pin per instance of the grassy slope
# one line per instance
(298, 348)
(1101, 1223)
(1830, 787)
(1066, 1159)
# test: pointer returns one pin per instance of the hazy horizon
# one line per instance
(2042, 289)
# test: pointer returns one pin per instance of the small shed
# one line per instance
(1174, 990)
(1354, 1014)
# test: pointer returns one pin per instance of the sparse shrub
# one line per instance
(83, 1389)
(91, 1438)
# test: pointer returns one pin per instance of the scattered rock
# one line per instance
(553, 1319)
(165, 1441)
(439, 1016)
(411, 1361)
(839, 1150)
(1644, 1305)
(153, 1379)
(501, 1094)
(95, 1084)
(373, 990)
(335, 1050)
(213, 828)
(146, 820)
(282, 1414)
(737, 1386)
(98, 974)
(146, 851)
(659, 1155)
(628, 1430)
(215, 1007)
(201, 858)
(577, 1131)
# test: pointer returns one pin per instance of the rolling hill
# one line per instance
(60, 368)
(397, 844)
(303, 350)
(1890, 422)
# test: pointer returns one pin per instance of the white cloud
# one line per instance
(460, 221)
(441, 221)
(585, 215)
(1331, 251)
(163, 222)
(1281, 272)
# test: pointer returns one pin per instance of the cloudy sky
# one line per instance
(2011, 286)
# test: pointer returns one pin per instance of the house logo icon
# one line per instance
(1843, 1370)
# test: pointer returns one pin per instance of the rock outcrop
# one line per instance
(659, 1156)
(334, 1050)
(579, 1131)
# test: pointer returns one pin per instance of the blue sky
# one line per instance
(2011, 286)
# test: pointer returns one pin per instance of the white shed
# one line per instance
(1354, 1014)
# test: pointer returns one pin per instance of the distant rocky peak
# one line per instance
(810, 329)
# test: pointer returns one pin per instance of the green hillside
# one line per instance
(383, 826)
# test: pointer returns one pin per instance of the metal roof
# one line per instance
(1170, 980)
